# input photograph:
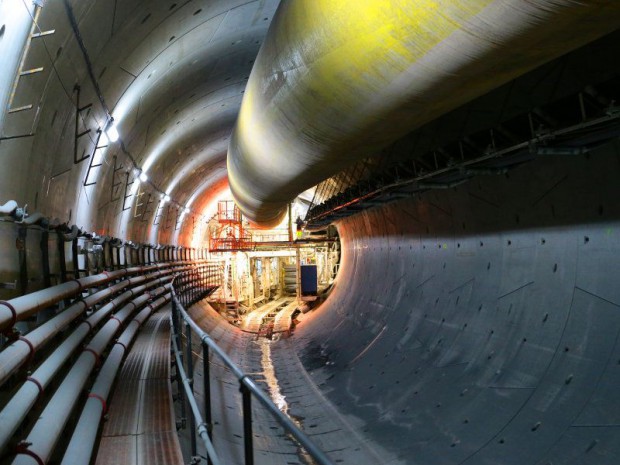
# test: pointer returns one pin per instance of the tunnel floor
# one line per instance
(475, 325)
(140, 426)
(274, 365)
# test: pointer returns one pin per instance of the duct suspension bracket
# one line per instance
(572, 126)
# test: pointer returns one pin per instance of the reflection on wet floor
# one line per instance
(276, 395)
(270, 375)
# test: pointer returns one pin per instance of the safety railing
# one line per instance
(201, 423)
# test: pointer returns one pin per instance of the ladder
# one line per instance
(28, 72)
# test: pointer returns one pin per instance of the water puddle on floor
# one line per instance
(276, 394)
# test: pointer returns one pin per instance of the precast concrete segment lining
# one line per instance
(161, 66)
(480, 325)
(333, 84)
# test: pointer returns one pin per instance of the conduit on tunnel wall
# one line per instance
(480, 325)
(333, 83)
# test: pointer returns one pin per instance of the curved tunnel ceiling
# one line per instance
(172, 75)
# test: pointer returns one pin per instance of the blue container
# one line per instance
(309, 282)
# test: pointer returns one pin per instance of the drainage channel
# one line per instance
(268, 321)
(269, 373)
(276, 395)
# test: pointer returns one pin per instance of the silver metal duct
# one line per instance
(334, 83)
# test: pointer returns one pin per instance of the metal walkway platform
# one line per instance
(141, 427)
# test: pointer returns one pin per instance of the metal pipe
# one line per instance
(47, 430)
(247, 424)
(13, 414)
(206, 379)
(24, 348)
(333, 85)
(22, 307)
(190, 374)
(82, 442)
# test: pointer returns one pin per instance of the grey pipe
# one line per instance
(46, 432)
(73, 233)
(22, 307)
(117, 243)
(35, 218)
(24, 348)
(82, 442)
(13, 414)
(332, 85)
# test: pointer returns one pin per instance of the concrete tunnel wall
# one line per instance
(476, 325)
(480, 325)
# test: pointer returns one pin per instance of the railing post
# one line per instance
(175, 315)
(190, 374)
(247, 423)
(205, 278)
(192, 286)
(177, 336)
(206, 378)
(196, 284)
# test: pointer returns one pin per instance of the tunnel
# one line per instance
(462, 158)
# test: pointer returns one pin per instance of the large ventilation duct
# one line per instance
(335, 82)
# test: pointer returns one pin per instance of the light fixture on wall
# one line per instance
(111, 131)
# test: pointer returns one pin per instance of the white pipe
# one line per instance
(82, 442)
(13, 414)
(21, 350)
(22, 307)
(46, 432)
(20, 404)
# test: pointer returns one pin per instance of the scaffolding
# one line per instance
(229, 235)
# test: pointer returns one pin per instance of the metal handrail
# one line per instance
(247, 386)
(203, 428)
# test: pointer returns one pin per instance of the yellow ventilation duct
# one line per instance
(336, 81)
